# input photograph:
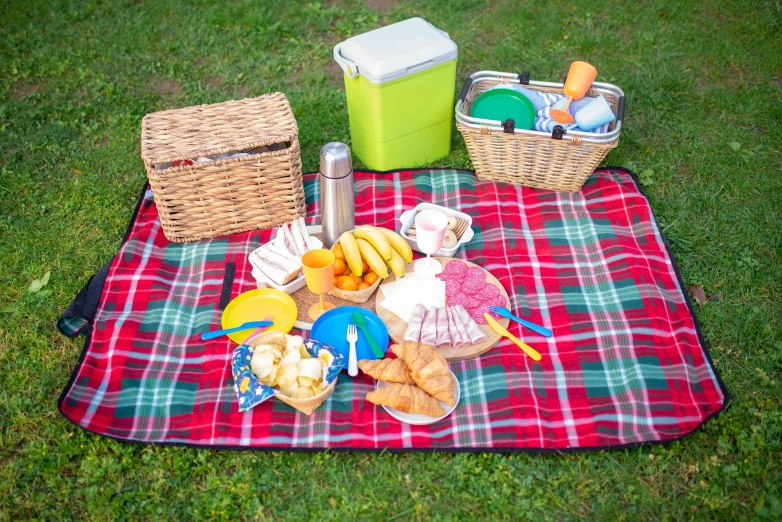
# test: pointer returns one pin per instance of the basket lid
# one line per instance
(398, 50)
(208, 130)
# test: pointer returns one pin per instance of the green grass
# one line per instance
(75, 81)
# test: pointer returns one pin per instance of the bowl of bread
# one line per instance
(301, 373)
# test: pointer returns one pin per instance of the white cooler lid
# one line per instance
(396, 50)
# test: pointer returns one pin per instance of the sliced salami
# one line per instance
(477, 308)
(463, 300)
(476, 273)
(472, 287)
(483, 296)
(477, 316)
(452, 288)
(455, 268)
(499, 300)
(490, 292)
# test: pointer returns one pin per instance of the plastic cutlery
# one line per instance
(499, 310)
(258, 330)
(352, 338)
(246, 326)
(497, 327)
(362, 323)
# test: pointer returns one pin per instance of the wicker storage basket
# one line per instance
(207, 199)
(355, 296)
(561, 160)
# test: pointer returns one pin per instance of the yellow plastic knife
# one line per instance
(497, 327)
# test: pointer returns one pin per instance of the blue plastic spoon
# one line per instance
(246, 326)
(504, 312)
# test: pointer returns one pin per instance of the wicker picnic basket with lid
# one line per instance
(561, 160)
(199, 199)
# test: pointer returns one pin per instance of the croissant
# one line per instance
(429, 370)
(406, 398)
(388, 370)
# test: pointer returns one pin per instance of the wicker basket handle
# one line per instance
(620, 109)
(465, 90)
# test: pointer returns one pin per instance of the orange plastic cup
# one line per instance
(579, 79)
(318, 267)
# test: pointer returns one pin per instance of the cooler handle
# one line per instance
(350, 68)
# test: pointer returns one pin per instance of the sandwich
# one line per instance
(284, 241)
(301, 237)
(277, 264)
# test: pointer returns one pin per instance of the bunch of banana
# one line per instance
(378, 247)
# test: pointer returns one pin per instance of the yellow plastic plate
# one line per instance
(254, 305)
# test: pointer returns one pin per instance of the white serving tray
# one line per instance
(407, 220)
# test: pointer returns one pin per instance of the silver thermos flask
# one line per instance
(337, 210)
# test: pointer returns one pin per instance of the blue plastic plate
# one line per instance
(331, 328)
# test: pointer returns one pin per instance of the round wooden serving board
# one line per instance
(396, 326)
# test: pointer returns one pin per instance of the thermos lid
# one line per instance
(335, 160)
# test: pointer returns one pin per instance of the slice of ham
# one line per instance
(413, 332)
(453, 329)
(461, 327)
(443, 336)
(473, 330)
(429, 328)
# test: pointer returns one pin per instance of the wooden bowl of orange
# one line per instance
(348, 286)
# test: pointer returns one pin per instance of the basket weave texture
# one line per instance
(533, 161)
(355, 296)
(226, 196)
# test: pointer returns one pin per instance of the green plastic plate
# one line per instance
(503, 104)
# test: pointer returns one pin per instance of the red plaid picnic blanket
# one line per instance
(627, 364)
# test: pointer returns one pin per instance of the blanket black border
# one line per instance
(506, 450)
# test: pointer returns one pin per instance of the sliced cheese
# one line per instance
(409, 293)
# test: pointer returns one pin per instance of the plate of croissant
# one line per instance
(417, 387)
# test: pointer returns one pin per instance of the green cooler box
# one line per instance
(399, 82)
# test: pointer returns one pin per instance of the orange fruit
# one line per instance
(370, 278)
(364, 267)
(338, 253)
(346, 283)
(335, 279)
(339, 267)
(362, 286)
